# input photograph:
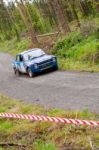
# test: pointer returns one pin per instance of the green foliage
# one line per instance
(40, 145)
(22, 45)
(71, 64)
(74, 44)
(43, 15)
(83, 51)
(56, 112)
(39, 23)
(5, 125)
(86, 113)
(78, 53)
(68, 41)
(13, 46)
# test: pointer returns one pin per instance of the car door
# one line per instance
(20, 63)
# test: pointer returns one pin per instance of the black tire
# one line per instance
(17, 72)
(30, 73)
(55, 68)
(14, 71)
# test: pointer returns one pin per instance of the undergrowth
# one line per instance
(13, 47)
(45, 135)
(76, 52)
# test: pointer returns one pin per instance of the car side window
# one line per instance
(19, 58)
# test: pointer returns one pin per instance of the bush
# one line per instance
(75, 47)
(68, 41)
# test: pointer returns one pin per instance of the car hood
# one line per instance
(40, 59)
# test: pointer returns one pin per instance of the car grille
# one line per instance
(45, 64)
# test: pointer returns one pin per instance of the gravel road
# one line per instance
(62, 89)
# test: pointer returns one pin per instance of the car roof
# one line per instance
(27, 51)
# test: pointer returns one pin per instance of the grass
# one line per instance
(69, 64)
(76, 52)
(39, 145)
(45, 135)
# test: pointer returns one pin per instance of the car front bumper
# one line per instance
(43, 67)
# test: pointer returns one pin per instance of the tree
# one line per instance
(73, 7)
(62, 23)
(10, 13)
(86, 7)
(27, 21)
(5, 21)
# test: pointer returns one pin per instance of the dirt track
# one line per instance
(68, 89)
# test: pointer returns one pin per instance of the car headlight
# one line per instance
(54, 59)
(35, 66)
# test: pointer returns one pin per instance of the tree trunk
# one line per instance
(27, 21)
(63, 24)
(10, 13)
(97, 5)
(72, 4)
(5, 21)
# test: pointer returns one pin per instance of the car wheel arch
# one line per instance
(30, 73)
(27, 68)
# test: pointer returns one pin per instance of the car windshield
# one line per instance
(33, 54)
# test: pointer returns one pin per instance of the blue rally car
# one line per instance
(34, 61)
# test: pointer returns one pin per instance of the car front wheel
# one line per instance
(30, 73)
(55, 68)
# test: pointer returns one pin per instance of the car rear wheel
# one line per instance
(30, 73)
(17, 72)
